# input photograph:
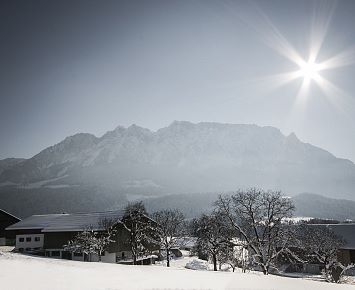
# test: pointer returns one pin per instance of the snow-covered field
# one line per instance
(20, 272)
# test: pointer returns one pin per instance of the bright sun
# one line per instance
(308, 68)
(309, 71)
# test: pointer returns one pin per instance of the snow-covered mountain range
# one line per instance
(184, 158)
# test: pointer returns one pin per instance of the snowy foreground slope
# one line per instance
(25, 272)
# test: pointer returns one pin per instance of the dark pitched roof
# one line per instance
(347, 232)
(4, 212)
(6, 219)
(67, 222)
(344, 231)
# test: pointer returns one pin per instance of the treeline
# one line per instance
(24, 202)
(248, 229)
(319, 221)
(251, 229)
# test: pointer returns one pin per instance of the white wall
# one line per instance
(77, 258)
(109, 258)
(29, 244)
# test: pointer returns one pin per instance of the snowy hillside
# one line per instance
(36, 273)
(184, 158)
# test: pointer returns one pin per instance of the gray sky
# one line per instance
(89, 66)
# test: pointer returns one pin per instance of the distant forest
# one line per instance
(26, 202)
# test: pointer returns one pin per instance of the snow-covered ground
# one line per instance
(21, 272)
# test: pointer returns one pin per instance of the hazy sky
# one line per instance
(89, 66)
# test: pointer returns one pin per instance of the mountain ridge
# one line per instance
(186, 157)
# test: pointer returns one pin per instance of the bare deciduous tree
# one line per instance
(256, 217)
(171, 229)
(213, 236)
(320, 244)
(141, 230)
(84, 242)
(234, 256)
(92, 241)
(105, 236)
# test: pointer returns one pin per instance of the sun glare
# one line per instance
(309, 68)
(309, 71)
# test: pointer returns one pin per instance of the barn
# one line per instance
(48, 234)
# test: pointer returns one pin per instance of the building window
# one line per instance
(28, 249)
(55, 254)
(20, 249)
(37, 239)
(28, 239)
(21, 240)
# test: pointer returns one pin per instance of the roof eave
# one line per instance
(60, 230)
(23, 228)
(10, 214)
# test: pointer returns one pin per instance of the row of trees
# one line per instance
(250, 228)
(141, 234)
(247, 220)
(245, 229)
(90, 241)
(319, 245)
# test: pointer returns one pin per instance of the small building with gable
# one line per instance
(6, 220)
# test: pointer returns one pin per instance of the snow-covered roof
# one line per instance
(186, 242)
(34, 222)
(66, 222)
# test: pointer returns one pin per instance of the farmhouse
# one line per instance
(347, 232)
(186, 243)
(346, 253)
(6, 219)
(48, 234)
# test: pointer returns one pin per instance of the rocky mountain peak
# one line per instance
(188, 157)
(292, 138)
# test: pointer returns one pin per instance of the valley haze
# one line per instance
(183, 158)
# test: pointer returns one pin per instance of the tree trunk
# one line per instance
(134, 260)
(167, 258)
(214, 262)
(336, 273)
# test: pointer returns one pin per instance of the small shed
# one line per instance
(6, 219)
